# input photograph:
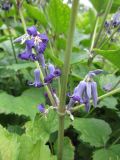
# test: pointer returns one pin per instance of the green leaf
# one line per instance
(99, 5)
(30, 150)
(17, 67)
(94, 131)
(112, 55)
(42, 127)
(26, 104)
(36, 13)
(109, 102)
(115, 6)
(111, 153)
(68, 150)
(59, 16)
(9, 147)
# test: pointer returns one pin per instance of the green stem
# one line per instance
(94, 33)
(109, 5)
(46, 87)
(64, 78)
(99, 98)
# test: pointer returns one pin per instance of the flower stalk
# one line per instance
(64, 79)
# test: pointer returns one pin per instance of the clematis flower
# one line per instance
(37, 82)
(41, 108)
(53, 73)
(27, 54)
(85, 90)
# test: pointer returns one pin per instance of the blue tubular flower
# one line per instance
(53, 73)
(41, 108)
(27, 54)
(32, 31)
(37, 82)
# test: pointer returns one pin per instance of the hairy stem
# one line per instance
(99, 98)
(64, 78)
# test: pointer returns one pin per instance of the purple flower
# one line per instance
(32, 31)
(41, 108)
(53, 73)
(6, 5)
(37, 82)
(95, 72)
(94, 93)
(27, 54)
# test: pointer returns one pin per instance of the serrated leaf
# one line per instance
(94, 131)
(68, 150)
(34, 150)
(111, 153)
(112, 55)
(26, 104)
(42, 127)
(59, 16)
(9, 147)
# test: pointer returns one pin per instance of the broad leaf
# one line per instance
(43, 126)
(111, 153)
(94, 131)
(36, 13)
(9, 147)
(34, 150)
(26, 104)
(112, 55)
(99, 5)
(59, 16)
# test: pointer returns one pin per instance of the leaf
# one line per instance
(68, 150)
(42, 127)
(94, 131)
(111, 153)
(36, 13)
(100, 7)
(112, 55)
(109, 102)
(9, 147)
(34, 150)
(26, 104)
(59, 16)
(17, 67)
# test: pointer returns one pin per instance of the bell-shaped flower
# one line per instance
(37, 82)
(27, 54)
(53, 73)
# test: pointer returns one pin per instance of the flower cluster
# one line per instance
(35, 45)
(113, 23)
(85, 90)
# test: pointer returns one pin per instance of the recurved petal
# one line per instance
(94, 93)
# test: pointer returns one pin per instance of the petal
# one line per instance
(87, 102)
(51, 68)
(41, 59)
(94, 93)
(70, 104)
(82, 88)
(88, 89)
(32, 31)
(41, 108)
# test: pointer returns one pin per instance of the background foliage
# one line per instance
(29, 135)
